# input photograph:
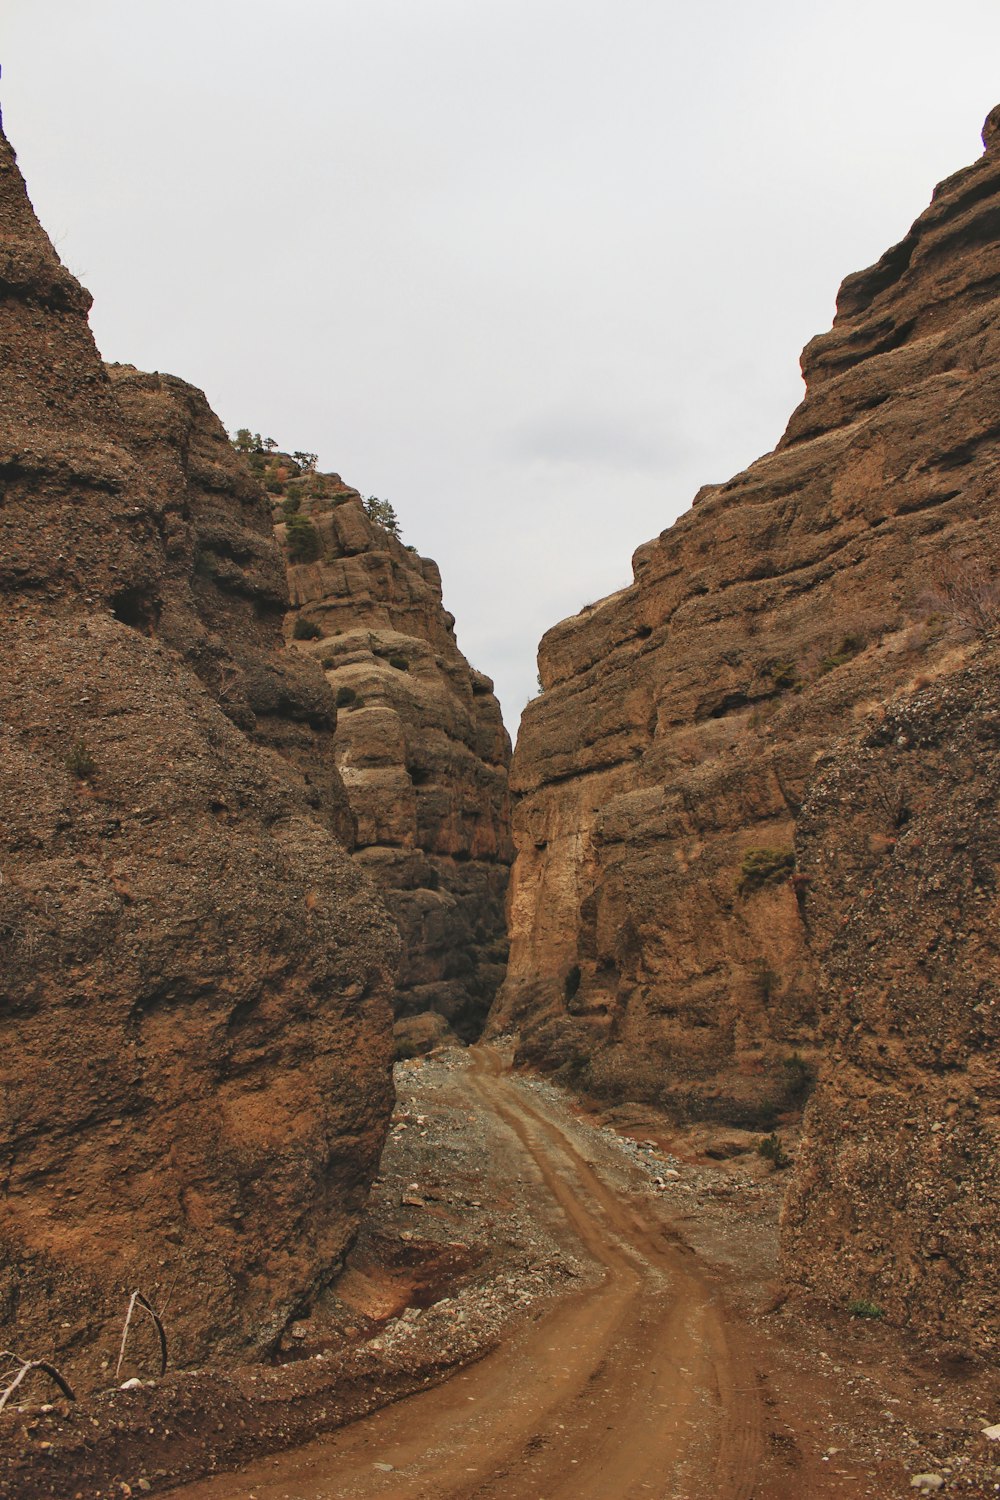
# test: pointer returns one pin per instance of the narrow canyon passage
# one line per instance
(634, 1386)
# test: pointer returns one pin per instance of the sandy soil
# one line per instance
(618, 1280)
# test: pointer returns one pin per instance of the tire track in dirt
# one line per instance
(634, 1387)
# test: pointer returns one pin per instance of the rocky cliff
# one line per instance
(663, 941)
(419, 743)
(194, 1081)
(896, 1200)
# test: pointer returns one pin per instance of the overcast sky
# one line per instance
(533, 270)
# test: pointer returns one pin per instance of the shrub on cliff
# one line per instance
(848, 648)
(763, 867)
(772, 1150)
(967, 592)
(302, 539)
(383, 514)
(305, 629)
(783, 674)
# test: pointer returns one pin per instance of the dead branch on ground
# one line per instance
(138, 1300)
(26, 1367)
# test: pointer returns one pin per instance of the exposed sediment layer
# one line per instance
(896, 1200)
(194, 1083)
(661, 937)
(422, 751)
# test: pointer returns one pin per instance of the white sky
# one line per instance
(533, 270)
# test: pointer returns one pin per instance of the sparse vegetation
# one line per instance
(383, 514)
(763, 867)
(305, 629)
(784, 674)
(893, 797)
(203, 564)
(80, 762)
(771, 1149)
(966, 591)
(862, 1308)
(302, 539)
(848, 648)
(800, 1077)
(765, 981)
(760, 714)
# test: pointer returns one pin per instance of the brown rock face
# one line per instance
(658, 946)
(421, 748)
(896, 1200)
(194, 1080)
(227, 595)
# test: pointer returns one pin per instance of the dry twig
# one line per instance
(26, 1367)
(138, 1300)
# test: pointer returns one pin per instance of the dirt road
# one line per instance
(612, 1273)
(632, 1387)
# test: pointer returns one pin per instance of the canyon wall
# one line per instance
(420, 746)
(896, 1199)
(194, 1083)
(671, 922)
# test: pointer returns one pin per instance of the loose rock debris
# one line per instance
(437, 1282)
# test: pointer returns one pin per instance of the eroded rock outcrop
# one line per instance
(194, 1081)
(896, 1200)
(420, 746)
(658, 946)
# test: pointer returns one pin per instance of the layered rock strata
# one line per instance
(194, 1082)
(661, 944)
(420, 746)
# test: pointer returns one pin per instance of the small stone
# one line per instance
(145, 1485)
(992, 1433)
(927, 1484)
(384, 1468)
(135, 1384)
